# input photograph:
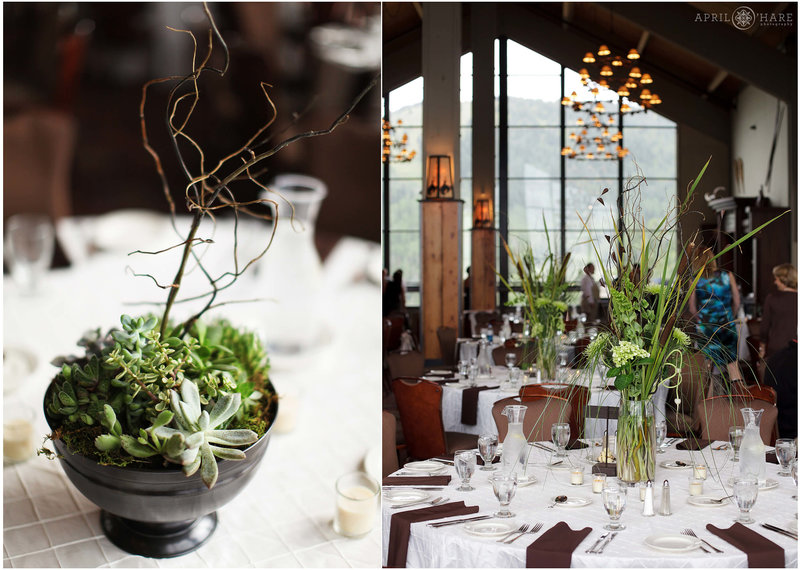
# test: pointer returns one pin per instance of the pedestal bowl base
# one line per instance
(158, 540)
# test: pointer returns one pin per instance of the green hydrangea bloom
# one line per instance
(625, 352)
(680, 336)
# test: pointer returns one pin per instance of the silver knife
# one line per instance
(588, 550)
(609, 539)
(459, 521)
(779, 530)
(445, 461)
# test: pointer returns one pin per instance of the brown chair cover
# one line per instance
(685, 419)
(397, 326)
(766, 393)
(541, 415)
(579, 361)
(447, 344)
(406, 364)
(499, 354)
(577, 396)
(390, 461)
(720, 413)
(420, 405)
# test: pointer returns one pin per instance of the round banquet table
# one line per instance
(452, 546)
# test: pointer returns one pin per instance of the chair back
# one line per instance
(447, 344)
(390, 461)
(760, 392)
(541, 415)
(579, 361)
(577, 396)
(410, 364)
(720, 413)
(499, 354)
(420, 405)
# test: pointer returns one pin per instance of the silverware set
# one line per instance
(459, 521)
(601, 543)
(690, 532)
(780, 530)
(436, 501)
(522, 530)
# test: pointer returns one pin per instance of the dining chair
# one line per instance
(419, 403)
(499, 353)
(541, 415)
(411, 364)
(579, 360)
(719, 413)
(577, 396)
(390, 460)
(684, 419)
(447, 344)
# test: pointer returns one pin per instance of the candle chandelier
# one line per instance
(591, 138)
(394, 150)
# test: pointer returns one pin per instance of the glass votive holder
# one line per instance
(576, 475)
(695, 486)
(700, 471)
(19, 440)
(598, 482)
(356, 504)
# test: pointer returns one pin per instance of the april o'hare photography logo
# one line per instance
(743, 18)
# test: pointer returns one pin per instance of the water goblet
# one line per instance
(463, 370)
(614, 499)
(560, 434)
(785, 451)
(472, 374)
(793, 469)
(745, 493)
(465, 463)
(487, 447)
(735, 435)
(661, 435)
(29, 242)
(504, 485)
(511, 359)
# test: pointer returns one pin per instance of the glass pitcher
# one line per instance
(515, 444)
(484, 360)
(752, 458)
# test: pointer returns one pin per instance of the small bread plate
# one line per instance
(402, 496)
(672, 542)
(573, 502)
(702, 501)
(766, 485)
(525, 480)
(491, 527)
(676, 465)
(424, 466)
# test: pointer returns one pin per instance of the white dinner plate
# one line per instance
(424, 466)
(402, 496)
(439, 373)
(672, 542)
(563, 466)
(573, 502)
(491, 527)
(702, 501)
(527, 480)
(675, 465)
(766, 485)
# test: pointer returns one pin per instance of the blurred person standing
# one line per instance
(590, 293)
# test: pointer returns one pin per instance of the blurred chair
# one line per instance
(541, 415)
(577, 396)
(410, 364)
(482, 319)
(684, 420)
(499, 353)
(447, 344)
(720, 413)
(766, 393)
(420, 405)
(396, 328)
(579, 360)
(390, 461)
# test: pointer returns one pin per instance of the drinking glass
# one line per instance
(614, 499)
(514, 377)
(661, 435)
(465, 462)
(745, 493)
(735, 435)
(511, 359)
(785, 451)
(473, 374)
(30, 239)
(463, 370)
(505, 487)
(487, 447)
(793, 469)
(560, 435)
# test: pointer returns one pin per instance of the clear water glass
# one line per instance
(614, 500)
(560, 434)
(514, 377)
(29, 244)
(785, 451)
(745, 493)
(472, 374)
(504, 486)
(793, 470)
(511, 359)
(661, 435)
(463, 370)
(487, 448)
(735, 435)
(465, 463)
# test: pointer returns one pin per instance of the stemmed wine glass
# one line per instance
(487, 447)
(614, 500)
(504, 485)
(560, 434)
(465, 463)
(511, 359)
(735, 435)
(745, 493)
(661, 435)
(785, 451)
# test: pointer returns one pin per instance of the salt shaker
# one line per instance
(648, 509)
(665, 508)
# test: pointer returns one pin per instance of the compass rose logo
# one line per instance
(744, 18)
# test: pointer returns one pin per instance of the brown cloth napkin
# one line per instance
(772, 458)
(400, 527)
(430, 481)
(554, 548)
(469, 404)
(692, 444)
(761, 552)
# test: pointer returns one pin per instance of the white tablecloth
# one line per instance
(454, 548)
(283, 518)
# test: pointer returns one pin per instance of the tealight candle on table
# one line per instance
(576, 476)
(700, 471)
(695, 486)
(598, 482)
(19, 441)
(356, 504)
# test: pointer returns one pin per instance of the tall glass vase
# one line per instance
(636, 441)
(546, 354)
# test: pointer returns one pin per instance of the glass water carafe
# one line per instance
(515, 444)
(752, 458)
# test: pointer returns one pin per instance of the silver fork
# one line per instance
(536, 528)
(521, 529)
(690, 532)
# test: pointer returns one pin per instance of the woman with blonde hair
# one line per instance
(779, 315)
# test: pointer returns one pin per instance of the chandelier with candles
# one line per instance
(394, 150)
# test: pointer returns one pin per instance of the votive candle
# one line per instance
(695, 487)
(19, 442)
(576, 476)
(700, 472)
(356, 504)
(598, 482)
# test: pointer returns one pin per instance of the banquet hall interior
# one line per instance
(518, 131)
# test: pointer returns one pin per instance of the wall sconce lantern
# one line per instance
(439, 184)
(483, 214)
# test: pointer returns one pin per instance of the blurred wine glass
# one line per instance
(30, 240)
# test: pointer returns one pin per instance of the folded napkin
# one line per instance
(400, 527)
(772, 458)
(429, 481)
(692, 444)
(761, 551)
(469, 404)
(554, 548)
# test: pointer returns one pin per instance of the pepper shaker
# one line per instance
(665, 509)
(648, 509)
